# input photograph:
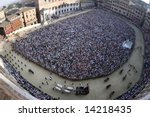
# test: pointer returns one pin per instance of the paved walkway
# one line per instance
(97, 86)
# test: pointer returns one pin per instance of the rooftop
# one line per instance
(26, 9)
(13, 16)
(4, 23)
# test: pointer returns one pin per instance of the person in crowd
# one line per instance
(85, 46)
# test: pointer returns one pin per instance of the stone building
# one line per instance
(5, 29)
(136, 10)
(49, 8)
(20, 18)
(132, 9)
(28, 15)
(146, 24)
(15, 21)
(87, 3)
(2, 16)
(12, 23)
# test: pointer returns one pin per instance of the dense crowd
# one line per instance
(145, 78)
(84, 46)
(25, 84)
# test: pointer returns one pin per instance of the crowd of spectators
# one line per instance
(85, 46)
(145, 78)
(40, 45)
(25, 84)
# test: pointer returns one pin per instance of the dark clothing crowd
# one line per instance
(84, 46)
(145, 78)
(25, 84)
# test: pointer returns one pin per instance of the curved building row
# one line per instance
(146, 24)
(135, 10)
